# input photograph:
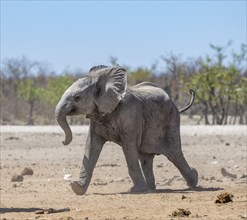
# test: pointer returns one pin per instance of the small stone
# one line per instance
(243, 176)
(184, 197)
(17, 178)
(27, 171)
(225, 173)
(67, 176)
(224, 197)
(119, 180)
(160, 165)
(181, 213)
(11, 138)
(205, 178)
(41, 211)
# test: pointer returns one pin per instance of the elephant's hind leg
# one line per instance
(189, 173)
(147, 168)
(174, 153)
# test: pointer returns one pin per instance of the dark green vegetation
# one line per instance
(29, 91)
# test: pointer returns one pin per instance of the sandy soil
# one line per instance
(208, 149)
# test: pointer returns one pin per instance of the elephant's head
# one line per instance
(100, 91)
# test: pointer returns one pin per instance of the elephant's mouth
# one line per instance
(73, 111)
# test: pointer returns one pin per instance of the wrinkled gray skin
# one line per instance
(142, 119)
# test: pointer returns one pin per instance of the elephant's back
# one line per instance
(149, 89)
(149, 100)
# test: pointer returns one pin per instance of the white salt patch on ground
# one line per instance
(189, 130)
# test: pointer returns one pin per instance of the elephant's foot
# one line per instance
(78, 188)
(151, 187)
(192, 180)
(138, 189)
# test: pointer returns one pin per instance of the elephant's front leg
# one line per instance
(147, 168)
(93, 148)
(131, 156)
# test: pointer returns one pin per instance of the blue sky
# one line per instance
(79, 34)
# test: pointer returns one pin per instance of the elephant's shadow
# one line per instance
(186, 190)
(11, 210)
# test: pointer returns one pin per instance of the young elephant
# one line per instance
(142, 119)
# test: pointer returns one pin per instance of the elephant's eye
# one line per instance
(77, 98)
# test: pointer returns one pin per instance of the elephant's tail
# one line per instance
(192, 92)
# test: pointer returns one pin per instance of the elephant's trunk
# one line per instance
(60, 114)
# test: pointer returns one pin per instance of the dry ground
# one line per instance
(206, 148)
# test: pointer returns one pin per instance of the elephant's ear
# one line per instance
(110, 89)
(94, 68)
